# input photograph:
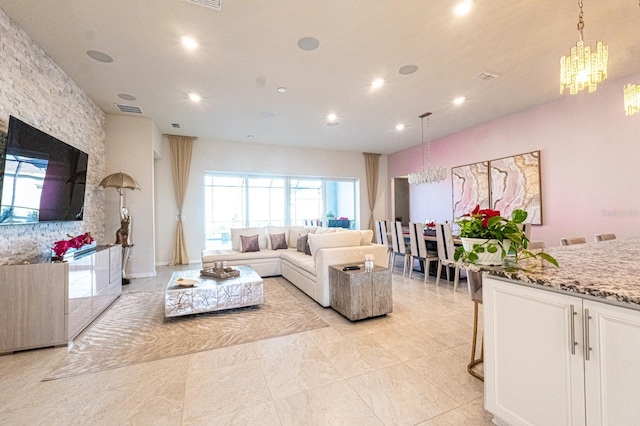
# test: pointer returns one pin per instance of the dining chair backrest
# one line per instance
(605, 237)
(397, 239)
(381, 232)
(572, 240)
(526, 229)
(416, 238)
(444, 239)
(535, 246)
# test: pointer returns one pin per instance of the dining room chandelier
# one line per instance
(428, 174)
(631, 98)
(583, 67)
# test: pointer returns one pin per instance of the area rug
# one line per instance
(134, 330)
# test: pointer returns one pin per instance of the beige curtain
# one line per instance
(181, 148)
(372, 164)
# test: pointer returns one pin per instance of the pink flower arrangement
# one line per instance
(62, 246)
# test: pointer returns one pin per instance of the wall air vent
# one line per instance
(129, 108)
(175, 125)
(486, 75)
(211, 4)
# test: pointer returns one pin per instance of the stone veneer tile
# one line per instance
(34, 89)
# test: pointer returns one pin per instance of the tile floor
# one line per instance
(406, 368)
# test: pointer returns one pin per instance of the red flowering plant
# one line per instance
(62, 246)
(488, 225)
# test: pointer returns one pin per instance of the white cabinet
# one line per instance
(538, 370)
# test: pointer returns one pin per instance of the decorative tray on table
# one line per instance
(220, 273)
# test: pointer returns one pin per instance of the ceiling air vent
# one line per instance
(129, 108)
(175, 125)
(211, 4)
(486, 76)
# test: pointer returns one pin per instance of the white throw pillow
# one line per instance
(334, 239)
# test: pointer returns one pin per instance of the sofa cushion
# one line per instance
(335, 239)
(301, 242)
(236, 232)
(249, 243)
(279, 230)
(278, 241)
(294, 231)
(366, 237)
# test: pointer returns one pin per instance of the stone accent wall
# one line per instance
(35, 90)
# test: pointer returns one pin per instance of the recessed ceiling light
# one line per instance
(266, 114)
(249, 136)
(189, 43)
(281, 89)
(126, 97)
(99, 56)
(459, 100)
(377, 83)
(400, 126)
(332, 117)
(195, 97)
(308, 43)
(463, 8)
(332, 123)
(408, 69)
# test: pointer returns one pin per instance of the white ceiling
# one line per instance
(249, 49)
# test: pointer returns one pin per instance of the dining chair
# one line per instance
(605, 237)
(399, 247)
(419, 249)
(382, 237)
(474, 284)
(569, 241)
(535, 246)
(526, 229)
(444, 241)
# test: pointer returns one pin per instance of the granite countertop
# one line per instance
(607, 270)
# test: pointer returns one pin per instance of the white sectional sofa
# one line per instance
(308, 272)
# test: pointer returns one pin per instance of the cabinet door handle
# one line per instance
(587, 348)
(572, 315)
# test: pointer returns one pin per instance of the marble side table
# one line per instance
(359, 294)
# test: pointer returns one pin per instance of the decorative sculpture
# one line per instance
(122, 234)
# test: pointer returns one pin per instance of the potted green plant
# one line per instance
(488, 238)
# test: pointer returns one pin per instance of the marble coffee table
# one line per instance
(210, 294)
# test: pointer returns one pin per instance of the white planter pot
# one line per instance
(486, 258)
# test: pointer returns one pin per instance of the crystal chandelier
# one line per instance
(428, 174)
(583, 67)
(631, 98)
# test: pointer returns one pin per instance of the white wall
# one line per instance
(129, 148)
(254, 158)
(589, 163)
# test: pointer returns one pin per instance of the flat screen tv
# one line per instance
(43, 179)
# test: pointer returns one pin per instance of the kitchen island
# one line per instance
(562, 345)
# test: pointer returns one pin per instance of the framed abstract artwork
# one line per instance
(505, 184)
(470, 187)
(515, 184)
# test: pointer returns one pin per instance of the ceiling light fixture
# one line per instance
(408, 69)
(308, 43)
(459, 100)
(427, 174)
(332, 117)
(281, 89)
(400, 127)
(99, 56)
(583, 67)
(189, 43)
(195, 97)
(631, 98)
(377, 83)
(463, 8)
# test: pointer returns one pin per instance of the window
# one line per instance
(236, 201)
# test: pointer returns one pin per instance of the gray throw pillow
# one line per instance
(302, 243)
(278, 241)
(249, 243)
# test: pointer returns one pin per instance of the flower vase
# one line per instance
(486, 258)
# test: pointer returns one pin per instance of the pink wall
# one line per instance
(590, 154)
